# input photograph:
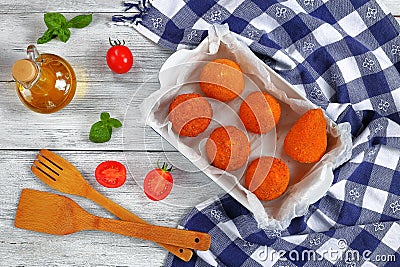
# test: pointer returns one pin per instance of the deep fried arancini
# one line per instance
(270, 176)
(228, 148)
(307, 140)
(190, 114)
(222, 79)
(260, 112)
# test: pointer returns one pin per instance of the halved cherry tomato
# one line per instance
(111, 174)
(158, 182)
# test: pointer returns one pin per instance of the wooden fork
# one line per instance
(61, 175)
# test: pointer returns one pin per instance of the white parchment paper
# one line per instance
(308, 182)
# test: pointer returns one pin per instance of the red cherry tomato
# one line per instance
(119, 57)
(158, 183)
(111, 174)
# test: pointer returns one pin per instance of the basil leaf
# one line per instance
(109, 128)
(80, 21)
(64, 34)
(54, 20)
(104, 116)
(114, 123)
(46, 37)
(58, 25)
(99, 133)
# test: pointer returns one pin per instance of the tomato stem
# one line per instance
(165, 167)
(116, 42)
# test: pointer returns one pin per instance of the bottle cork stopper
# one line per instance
(24, 70)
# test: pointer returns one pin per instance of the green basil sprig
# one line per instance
(101, 131)
(58, 26)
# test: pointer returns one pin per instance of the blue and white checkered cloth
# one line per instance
(345, 57)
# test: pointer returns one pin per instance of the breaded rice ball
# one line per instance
(307, 140)
(228, 148)
(270, 175)
(190, 114)
(260, 112)
(222, 79)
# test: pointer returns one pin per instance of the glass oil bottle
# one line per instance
(45, 82)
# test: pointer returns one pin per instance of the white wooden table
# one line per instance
(23, 133)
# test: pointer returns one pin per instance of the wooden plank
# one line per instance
(85, 50)
(69, 128)
(19, 247)
(67, 6)
(77, 250)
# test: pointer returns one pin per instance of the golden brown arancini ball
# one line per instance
(190, 114)
(271, 175)
(222, 79)
(228, 148)
(260, 112)
(307, 140)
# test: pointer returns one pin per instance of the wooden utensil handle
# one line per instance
(113, 207)
(122, 213)
(159, 234)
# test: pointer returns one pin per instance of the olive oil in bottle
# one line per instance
(45, 82)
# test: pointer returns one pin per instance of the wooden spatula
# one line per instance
(59, 215)
(61, 175)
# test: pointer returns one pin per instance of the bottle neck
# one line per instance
(32, 52)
